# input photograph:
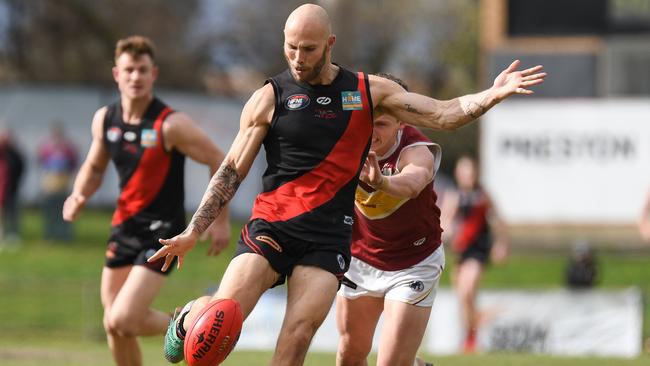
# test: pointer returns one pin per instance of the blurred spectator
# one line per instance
(470, 221)
(582, 271)
(11, 170)
(57, 158)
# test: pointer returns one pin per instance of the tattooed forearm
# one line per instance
(220, 191)
(410, 108)
(473, 109)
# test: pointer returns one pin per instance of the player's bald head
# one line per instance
(309, 18)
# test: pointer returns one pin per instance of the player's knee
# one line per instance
(122, 324)
(351, 352)
(300, 334)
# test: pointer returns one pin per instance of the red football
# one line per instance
(213, 333)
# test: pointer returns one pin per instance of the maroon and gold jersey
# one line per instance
(151, 178)
(393, 233)
(315, 148)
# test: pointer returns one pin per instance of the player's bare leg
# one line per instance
(247, 277)
(127, 294)
(468, 276)
(356, 320)
(310, 293)
(402, 332)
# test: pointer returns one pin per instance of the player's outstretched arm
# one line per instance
(91, 173)
(254, 124)
(182, 134)
(451, 114)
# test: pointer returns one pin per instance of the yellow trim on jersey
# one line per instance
(378, 204)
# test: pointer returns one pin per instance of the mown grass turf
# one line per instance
(50, 310)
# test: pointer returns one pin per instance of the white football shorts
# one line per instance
(416, 285)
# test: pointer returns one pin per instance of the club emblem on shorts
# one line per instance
(268, 240)
(419, 242)
(348, 220)
(297, 102)
(351, 100)
(148, 138)
(341, 261)
(113, 134)
(416, 286)
(111, 250)
(323, 100)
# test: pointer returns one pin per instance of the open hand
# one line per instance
(371, 173)
(177, 246)
(511, 81)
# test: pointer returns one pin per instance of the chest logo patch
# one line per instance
(114, 134)
(297, 102)
(148, 138)
(130, 136)
(351, 100)
(323, 100)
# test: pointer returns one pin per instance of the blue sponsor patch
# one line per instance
(148, 137)
(297, 102)
(351, 100)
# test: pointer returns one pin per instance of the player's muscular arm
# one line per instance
(254, 124)
(90, 175)
(427, 112)
(182, 134)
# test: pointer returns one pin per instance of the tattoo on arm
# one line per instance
(473, 109)
(220, 191)
(410, 108)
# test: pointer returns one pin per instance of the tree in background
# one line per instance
(229, 47)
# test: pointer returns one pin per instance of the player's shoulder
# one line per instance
(381, 87)
(261, 104)
(99, 116)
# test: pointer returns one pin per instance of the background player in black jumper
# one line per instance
(147, 142)
(315, 121)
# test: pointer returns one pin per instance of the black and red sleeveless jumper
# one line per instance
(151, 178)
(315, 148)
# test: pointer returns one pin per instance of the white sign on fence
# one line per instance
(575, 161)
(557, 322)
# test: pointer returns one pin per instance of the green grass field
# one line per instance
(50, 311)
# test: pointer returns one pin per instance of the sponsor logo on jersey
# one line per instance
(324, 113)
(323, 100)
(416, 286)
(130, 136)
(130, 148)
(348, 220)
(297, 102)
(113, 134)
(419, 242)
(388, 169)
(351, 100)
(341, 261)
(148, 137)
